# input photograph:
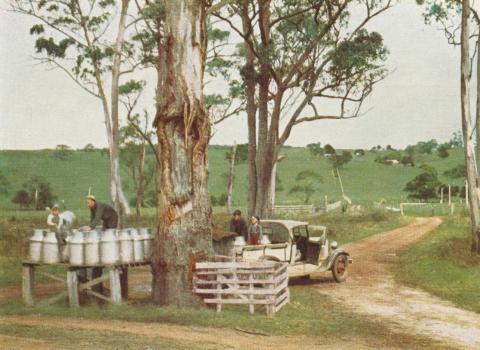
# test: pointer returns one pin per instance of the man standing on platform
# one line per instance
(108, 217)
(101, 213)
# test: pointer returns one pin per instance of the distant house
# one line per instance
(392, 162)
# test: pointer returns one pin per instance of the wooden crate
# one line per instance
(245, 283)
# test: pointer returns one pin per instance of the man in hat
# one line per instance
(101, 213)
(105, 214)
(238, 224)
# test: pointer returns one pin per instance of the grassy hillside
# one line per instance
(363, 179)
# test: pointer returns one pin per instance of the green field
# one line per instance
(441, 264)
(364, 180)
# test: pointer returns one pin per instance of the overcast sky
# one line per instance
(419, 100)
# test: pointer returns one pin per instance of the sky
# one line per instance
(419, 100)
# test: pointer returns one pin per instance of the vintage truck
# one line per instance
(290, 241)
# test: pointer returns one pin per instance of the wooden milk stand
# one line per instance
(77, 283)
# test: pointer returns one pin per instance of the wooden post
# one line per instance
(251, 306)
(82, 278)
(219, 296)
(441, 195)
(28, 276)
(115, 289)
(124, 282)
(449, 194)
(72, 285)
(272, 297)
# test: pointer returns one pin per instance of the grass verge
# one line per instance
(441, 264)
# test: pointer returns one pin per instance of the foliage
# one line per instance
(456, 140)
(328, 149)
(425, 185)
(22, 198)
(457, 172)
(62, 152)
(359, 152)
(383, 158)
(315, 149)
(241, 155)
(89, 148)
(422, 147)
(307, 182)
(408, 160)
(219, 201)
(443, 150)
(36, 192)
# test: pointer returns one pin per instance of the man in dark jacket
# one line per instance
(238, 224)
(101, 213)
(105, 214)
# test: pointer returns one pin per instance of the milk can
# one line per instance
(126, 247)
(137, 245)
(65, 253)
(51, 253)
(147, 243)
(239, 244)
(36, 245)
(109, 248)
(92, 248)
(76, 244)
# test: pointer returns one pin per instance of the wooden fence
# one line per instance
(245, 283)
(293, 209)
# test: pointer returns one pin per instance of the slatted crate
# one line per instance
(261, 283)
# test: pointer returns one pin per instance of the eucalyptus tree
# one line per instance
(300, 61)
(460, 21)
(86, 40)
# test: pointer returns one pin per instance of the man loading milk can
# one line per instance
(104, 214)
(60, 223)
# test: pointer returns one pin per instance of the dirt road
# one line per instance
(371, 290)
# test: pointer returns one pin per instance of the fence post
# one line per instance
(251, 307)
(219, 296)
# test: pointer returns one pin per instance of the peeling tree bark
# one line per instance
(467, 129)
(183, 130)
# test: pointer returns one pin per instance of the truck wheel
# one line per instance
(339, 268)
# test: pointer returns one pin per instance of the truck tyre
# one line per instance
(339, 268)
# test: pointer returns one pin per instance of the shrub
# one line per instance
(22, 198)
(62, 152)
(425, 185)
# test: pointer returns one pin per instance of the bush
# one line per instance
(89, 148)
(315, 149)
(62, 152)
(425, 185)
(458, 172)
(443, 151)
(22, 198)
(219, 201)
(36, 192)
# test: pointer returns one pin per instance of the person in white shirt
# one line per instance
(58, 221)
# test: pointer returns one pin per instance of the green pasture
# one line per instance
(364, 180)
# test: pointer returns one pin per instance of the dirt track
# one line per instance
(371, 290)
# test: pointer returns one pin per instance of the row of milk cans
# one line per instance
(93, 247)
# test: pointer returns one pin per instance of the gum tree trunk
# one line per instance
(467, 129)
(231, 178)
(184, 211)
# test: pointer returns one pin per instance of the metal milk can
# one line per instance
(110, 253)
(147, 243)
(76, 248)
(126, 247)
(65, 253)
(36, 245)
(137, 245)
(51, 253)
(239, 244)
(92, 248)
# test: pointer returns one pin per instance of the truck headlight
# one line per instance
(334, 245)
